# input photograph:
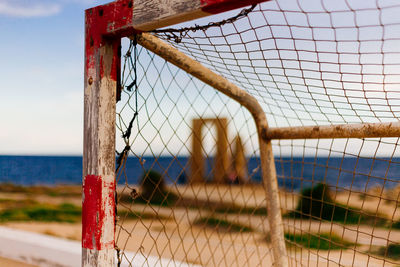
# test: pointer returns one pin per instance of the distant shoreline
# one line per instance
(293, 173)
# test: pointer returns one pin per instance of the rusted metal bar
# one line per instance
(221, 84)
(364, 130)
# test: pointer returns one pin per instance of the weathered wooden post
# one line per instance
(102, 66)
(98, 202)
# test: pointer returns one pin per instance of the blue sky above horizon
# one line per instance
(41, 79)
(41, 82)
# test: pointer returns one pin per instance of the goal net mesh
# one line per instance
(308, 63)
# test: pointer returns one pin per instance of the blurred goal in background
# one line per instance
(194, 149)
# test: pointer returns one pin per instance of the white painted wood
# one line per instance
(100, 258)
(150, 15)
(99, 149)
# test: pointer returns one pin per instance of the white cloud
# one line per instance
(42, 8)
(28, 9)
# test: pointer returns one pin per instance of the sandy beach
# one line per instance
(172, 231)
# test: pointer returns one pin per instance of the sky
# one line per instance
(41, 78)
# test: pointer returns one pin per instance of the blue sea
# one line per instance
(293, 173)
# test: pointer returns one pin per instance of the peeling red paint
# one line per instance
(91, 232)
(218, 6)
(94, 208)
(101, 66)
(116, 63)
(103, 25)
(107, 21)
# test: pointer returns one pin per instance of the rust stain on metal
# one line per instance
(366, 130)
(264, 132)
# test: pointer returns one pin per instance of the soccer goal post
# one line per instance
(301, 101)
(104, 28)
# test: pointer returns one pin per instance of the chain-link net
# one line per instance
(190, 192)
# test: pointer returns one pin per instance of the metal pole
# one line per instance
(364, 130)
(221, 84)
